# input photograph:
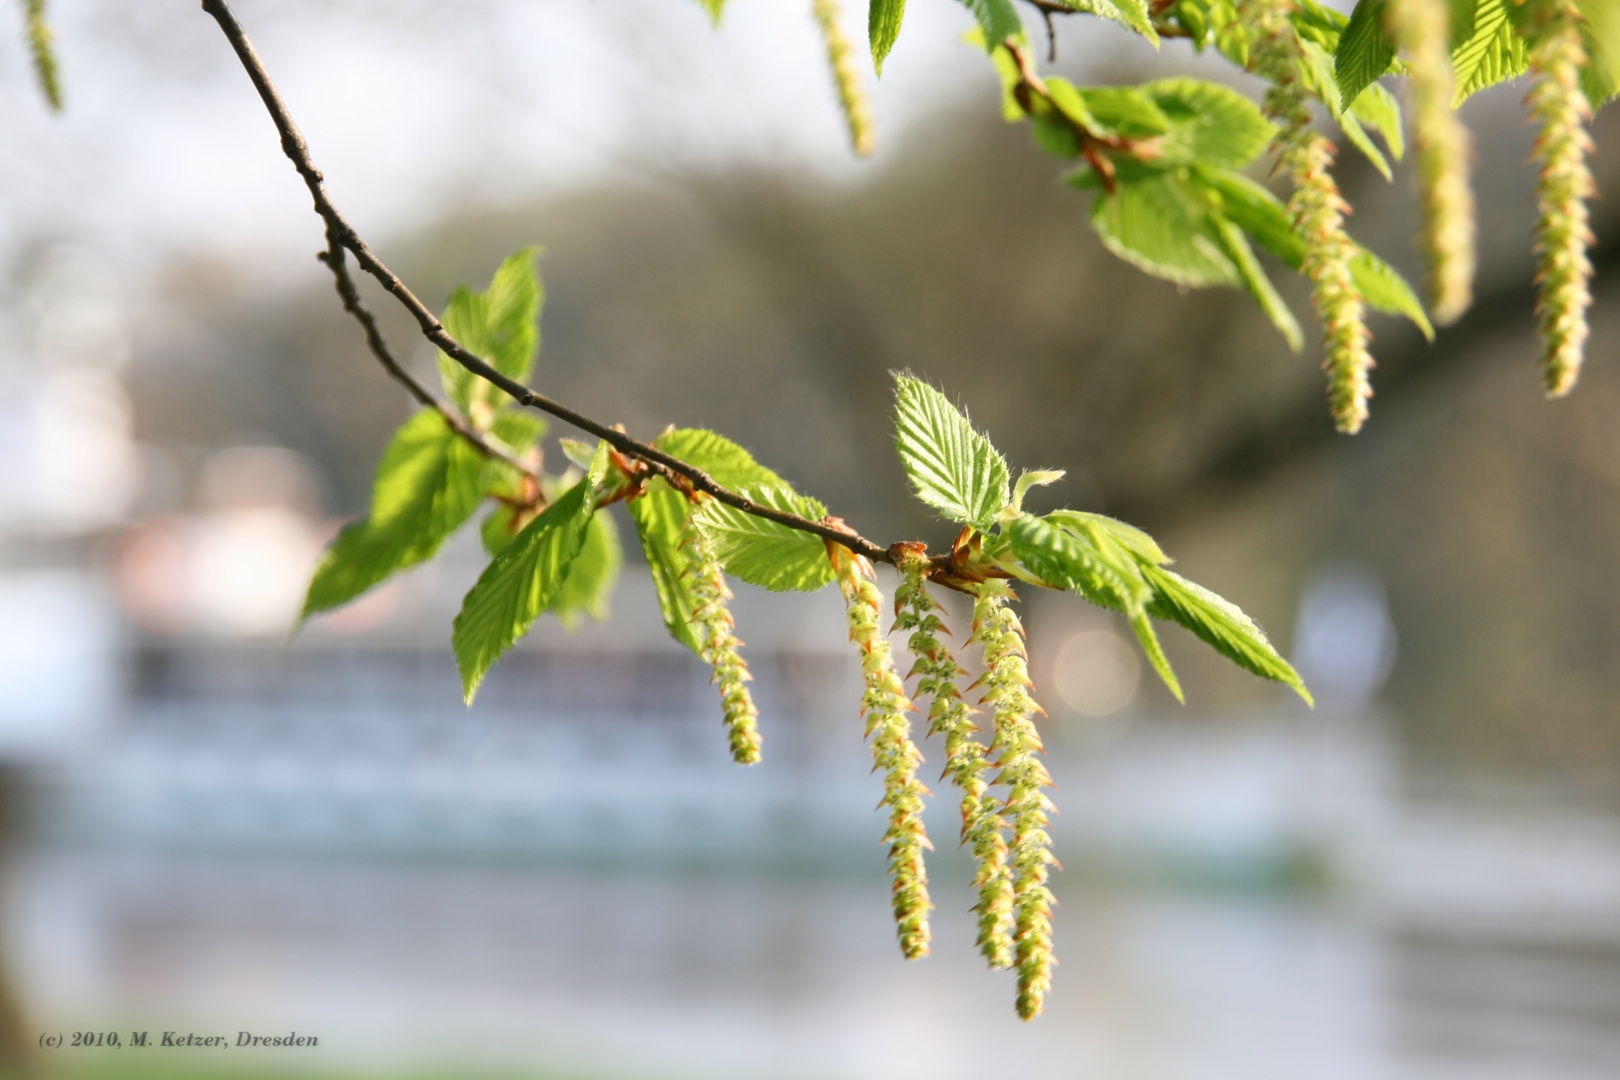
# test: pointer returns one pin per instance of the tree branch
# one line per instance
(343, 235)
(333, 258)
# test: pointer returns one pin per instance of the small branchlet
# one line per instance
(965, 761)
(846, 77)
(714, 626)
(997, 631)
(1422, 29)
(885, 705)
(1317, 211)
(1562, 188)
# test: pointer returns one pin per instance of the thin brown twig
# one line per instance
(339, 230)
(334, 260)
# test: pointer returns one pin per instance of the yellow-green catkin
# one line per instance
(951, 717)
(1562, 188)
(846, 77)
(1422, 29)
(39, 45)
(885, 705)
(1317, 211)
(1015, 748)
(712, 620)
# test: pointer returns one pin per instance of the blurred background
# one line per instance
(209, 829)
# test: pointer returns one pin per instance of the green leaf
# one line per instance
(1070, 552)
(1134, 540)
(1221, 625)
(1377, 108)
(951, 467)
(1032, 478)
(997, 20)
(1160, 221)
(1387, 291)
(1236, 245)
(1155, 653)
(714, 8)
(500, 325)
(1365, 51)
(1209, 123)
(1491, 53)
(762, 552)
(1132, 14)
(592, 574)
(1263, 216)
(660, 511)
(1124, 111)
(1317, 75)
(523, 580)
(1600, 32)
(883, 28)
(427, 484)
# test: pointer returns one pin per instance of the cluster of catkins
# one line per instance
(1015, 905)
(1422, 31)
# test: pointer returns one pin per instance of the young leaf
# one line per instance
(1132, 14)
(1073, 553)
(1263, 216)
(523, 580)
(1236, 245)
(1491, 53)
(427, 484)
(1160, 222)
(660, 511)
(592, 574)
(714, 8)
(1125, 111)
(1365, 50)
(761, 552)
(1208, 122)
(951, 467)
(1137, 542)
(1377, 108)
(1221, 625)
(1032, 478)
(997, 20)
(501, 325)
(1600, 34)
(883, 28)
(1155, 653)
(1317, 75)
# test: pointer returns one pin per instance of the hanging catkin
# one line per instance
(714, 624)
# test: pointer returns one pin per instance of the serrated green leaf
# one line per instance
(1155, 653)
(1236, 245)
(1132, 14)
(883, 20)
(1159, 221)
(660, 511)
(951, 466)
(592, 574)
(1124, 111)
(1262, 215)
(998, 20)
(1365, 51)
(762, 552)
(1377, 108)
(1317, 75)
(523, 580)
(427, 484)
(1134, 540)
(1491, 53)
(1384, 289)
(1208, 123)
(519, 429)
(1220, 624)
(1069, 552)
(501, 325)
